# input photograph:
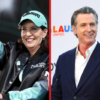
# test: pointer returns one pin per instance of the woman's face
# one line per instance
(32, 35)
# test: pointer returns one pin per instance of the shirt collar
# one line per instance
(89, 49)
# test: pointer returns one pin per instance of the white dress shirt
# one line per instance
(80, 62)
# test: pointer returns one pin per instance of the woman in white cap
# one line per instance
(25, 63)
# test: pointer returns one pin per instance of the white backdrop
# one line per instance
(62, 37)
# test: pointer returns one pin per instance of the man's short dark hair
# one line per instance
(83, 10)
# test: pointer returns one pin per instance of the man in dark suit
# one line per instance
(77, 73)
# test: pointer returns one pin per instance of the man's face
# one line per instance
(86, 29)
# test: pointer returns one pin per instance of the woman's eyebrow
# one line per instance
(23, 27)
(34, 27)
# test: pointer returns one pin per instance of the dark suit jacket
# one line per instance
(64, 88)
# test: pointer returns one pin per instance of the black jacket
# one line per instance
(14, 61)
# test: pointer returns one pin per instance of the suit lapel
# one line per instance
(71, 69)
(90, 67)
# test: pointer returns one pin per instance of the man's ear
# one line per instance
(97, 28)
(74, 30)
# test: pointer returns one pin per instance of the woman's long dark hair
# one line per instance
(44, 44)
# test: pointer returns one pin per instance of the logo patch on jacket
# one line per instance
(38, 65)
(18, 63)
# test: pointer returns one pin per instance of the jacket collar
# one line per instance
(35, 56)
(90, 67)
